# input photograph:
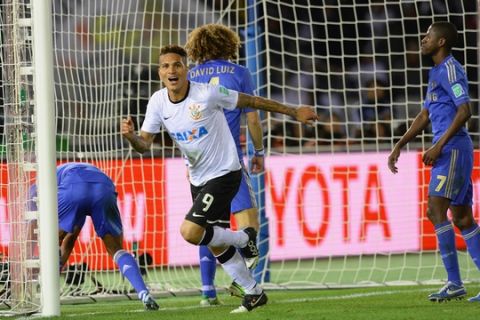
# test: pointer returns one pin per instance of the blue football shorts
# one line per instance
(245, 197)
(98, 200)
(451, 177)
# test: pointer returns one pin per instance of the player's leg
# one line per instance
(207, 269)
(461, 208)
(234, 265)
(246, 215)
(129, 269)
(210, 202)
(244, 219)
(244, 210)
(463, 219)
(244, 206)
(461, 205)
(470, 231)
(212, 236)
(70, 218)
(247, 218)
(108, 226)
(208, 265)
(211, 209)
(437, 208)
(439, 199)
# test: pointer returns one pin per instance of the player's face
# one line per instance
(173, 73)
(430, 42)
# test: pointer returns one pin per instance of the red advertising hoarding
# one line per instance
(317, 205)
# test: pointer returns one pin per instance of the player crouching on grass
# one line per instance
(192, 114)
(84, 190)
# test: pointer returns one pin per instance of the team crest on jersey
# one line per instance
(195, 112)
(433, 84)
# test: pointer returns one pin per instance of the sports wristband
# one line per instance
(259, 153)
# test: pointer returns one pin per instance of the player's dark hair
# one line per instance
(212, 41)
(173, 48)
(448, 31)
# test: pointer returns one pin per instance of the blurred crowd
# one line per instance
(357, 61)
(361, 66)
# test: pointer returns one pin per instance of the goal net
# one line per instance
(335, 215)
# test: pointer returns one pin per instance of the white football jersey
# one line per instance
(198, 126)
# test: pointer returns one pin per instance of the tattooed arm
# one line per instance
(304, 114)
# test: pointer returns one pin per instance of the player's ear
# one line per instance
(442, 41)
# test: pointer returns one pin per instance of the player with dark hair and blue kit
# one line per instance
(447, 107)
(213, 46)
(84, 190)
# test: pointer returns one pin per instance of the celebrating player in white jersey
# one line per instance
(192, 114)
(214, 47)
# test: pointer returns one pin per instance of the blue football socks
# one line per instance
(448, 251)
(208, 264)
(472, 238)
(129, 269)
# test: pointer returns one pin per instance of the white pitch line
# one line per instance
(350, 296)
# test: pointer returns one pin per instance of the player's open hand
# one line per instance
(392, 160)
(127, 126)
(306, 115)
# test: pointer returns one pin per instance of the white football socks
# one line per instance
(235, 267)
(226, 237)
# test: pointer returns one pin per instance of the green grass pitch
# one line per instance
(387, 302)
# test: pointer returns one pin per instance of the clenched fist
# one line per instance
(127, 127)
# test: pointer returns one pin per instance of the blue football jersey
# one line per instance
(232, 76)
(447, 90)
(84, 190)
(75, 172)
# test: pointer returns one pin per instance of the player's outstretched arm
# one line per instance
(304, 114)
(140, 143)
(419, 124)
(67, 243)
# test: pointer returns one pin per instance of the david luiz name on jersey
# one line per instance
(211, 70)
(190, 135)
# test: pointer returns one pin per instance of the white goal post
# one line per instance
(334, 215)
(30, 278)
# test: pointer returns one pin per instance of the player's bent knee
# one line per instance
(191, 235)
